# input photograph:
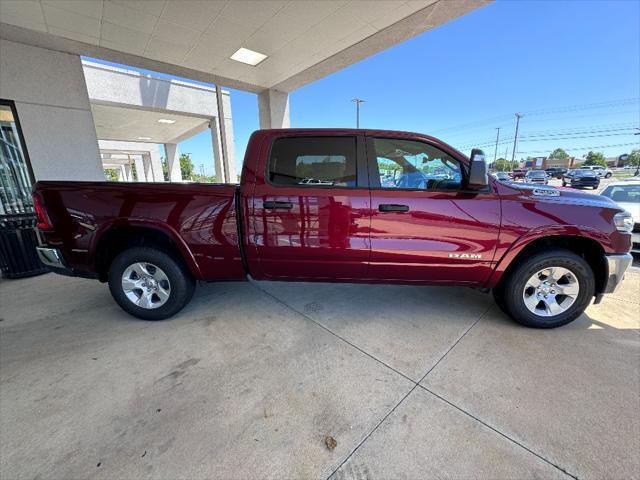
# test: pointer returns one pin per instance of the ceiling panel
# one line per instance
(23, 14)
(195, 14)
(88, 8)
(201, 35)
(127, 124)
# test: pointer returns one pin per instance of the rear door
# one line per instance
(425, 227)
(311, 214)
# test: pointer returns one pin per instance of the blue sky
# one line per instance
(571, 67)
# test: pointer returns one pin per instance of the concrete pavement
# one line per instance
(249, 380)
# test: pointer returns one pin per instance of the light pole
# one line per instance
(495, 154)
(515, 138)
(357, 102)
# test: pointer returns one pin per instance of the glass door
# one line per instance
(15, 177)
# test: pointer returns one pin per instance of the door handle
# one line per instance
(392, 207)
(273, 205)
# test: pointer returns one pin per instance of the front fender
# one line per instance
(578, 231)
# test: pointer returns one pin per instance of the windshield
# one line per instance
(623, 193)
(537, 173)
(584, 172)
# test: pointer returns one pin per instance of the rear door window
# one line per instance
(314, 162)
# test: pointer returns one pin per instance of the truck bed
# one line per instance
(197, 217)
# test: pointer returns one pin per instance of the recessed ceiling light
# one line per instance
(247, 56)
(166, 120)
(144, 138)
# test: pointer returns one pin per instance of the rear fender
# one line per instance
(157, 225)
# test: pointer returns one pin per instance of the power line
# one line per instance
(541, 112)
(555, 136)
(579, 149)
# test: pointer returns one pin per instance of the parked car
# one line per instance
(518, 173)
(602, 172)
(627, 195)
(502, 176)
(556, 172)
(544, 252)
(536, 176)
(581, 177)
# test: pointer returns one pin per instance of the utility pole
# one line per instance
(515, 138)
(202, 170)
(495, 155)
(357, 102)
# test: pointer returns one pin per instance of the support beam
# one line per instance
(273, 107)
(173, 162)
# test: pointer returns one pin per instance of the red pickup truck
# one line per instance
(341, 206)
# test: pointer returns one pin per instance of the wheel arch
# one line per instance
(120, 235)
(590, 249)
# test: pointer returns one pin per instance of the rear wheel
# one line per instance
(549, 289)
(150, 284)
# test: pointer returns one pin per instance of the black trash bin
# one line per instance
(18, 242)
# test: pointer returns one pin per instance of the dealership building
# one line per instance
(65, 118)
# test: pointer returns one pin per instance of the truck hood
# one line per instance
(567, 196)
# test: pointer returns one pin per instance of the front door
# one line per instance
(311, 216)
(425, 227)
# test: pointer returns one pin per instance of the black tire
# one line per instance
(514, 287)
(182, 284)
(608, 175)
(498, 296)
(564, 184)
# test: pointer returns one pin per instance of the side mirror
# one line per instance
(478, 170)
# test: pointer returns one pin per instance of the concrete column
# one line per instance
(173, 162)
(156, 165)
(214, 127)
(142, 177)
(128, 173)
(146, 163)
(122, 176)
(273, 108)
(218, 156)
(231, 151)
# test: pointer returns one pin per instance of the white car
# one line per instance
(627, 195)
(602, 172)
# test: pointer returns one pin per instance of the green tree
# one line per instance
(165, 168)
(559, 154)
(111, 174)
(186, 166)
(595, 158)
(634, 158)
(502, 165)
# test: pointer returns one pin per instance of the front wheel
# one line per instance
(608, 175)
(549, 289)
(150, 284)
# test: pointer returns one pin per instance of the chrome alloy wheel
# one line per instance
(146, 285)
(551, 291)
